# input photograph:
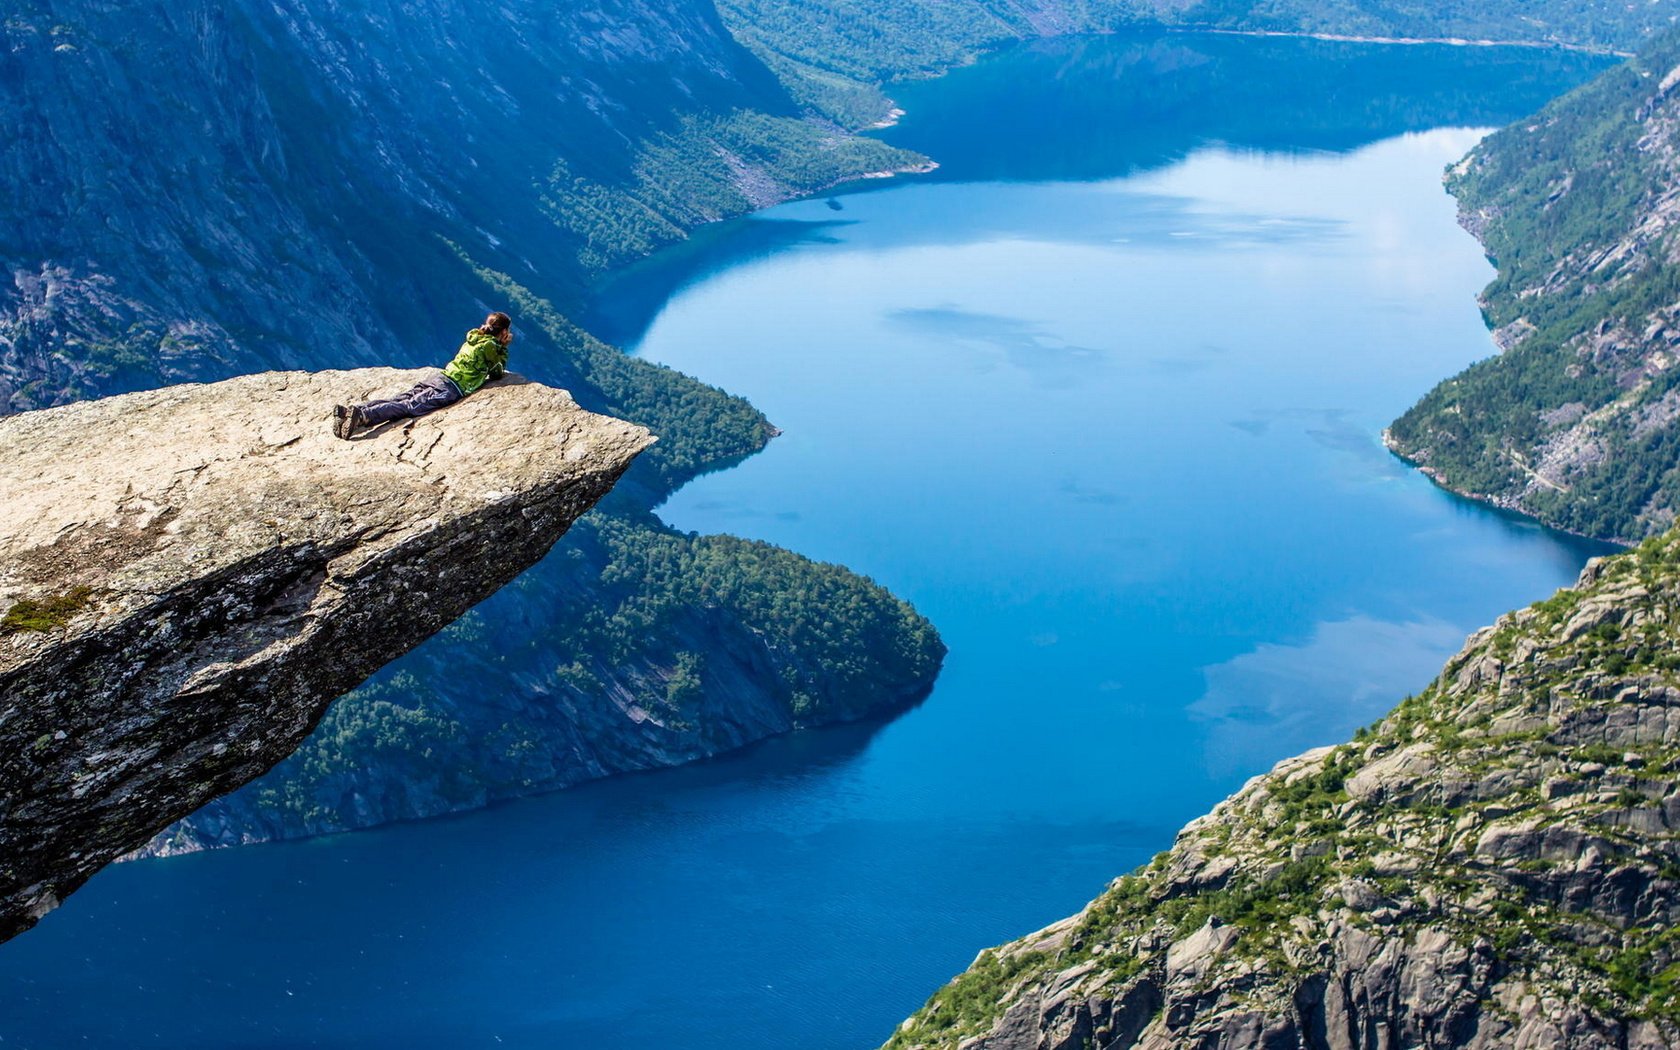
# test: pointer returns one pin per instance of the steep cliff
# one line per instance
(1577, 420)
(1496, 864)
(190, 575)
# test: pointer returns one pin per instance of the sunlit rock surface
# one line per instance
(189, 576)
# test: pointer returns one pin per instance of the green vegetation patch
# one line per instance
(710, 168)
(836, 634)
(45, 614)
(967, 1005)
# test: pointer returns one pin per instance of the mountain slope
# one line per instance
(281, 198)
(1574, 421)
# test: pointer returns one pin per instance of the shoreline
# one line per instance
(1497, 503)
(1409, 41)
(888, 121)
(888, 173)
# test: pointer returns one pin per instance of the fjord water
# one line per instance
(1102, 396)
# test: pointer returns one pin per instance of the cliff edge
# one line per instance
(189, 576)
(1496, 864)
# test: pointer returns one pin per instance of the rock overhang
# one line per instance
(189, 576)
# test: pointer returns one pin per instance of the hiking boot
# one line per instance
(345, 419)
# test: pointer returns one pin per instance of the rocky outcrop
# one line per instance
(190, 575)
(1496, 864)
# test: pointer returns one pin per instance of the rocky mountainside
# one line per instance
(301, 188)
(1577, 420)
(318, 187)
(1496, 864)
(191, 575)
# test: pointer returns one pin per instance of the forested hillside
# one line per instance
(289, 194)
(1575, 421)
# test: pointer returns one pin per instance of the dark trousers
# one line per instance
(428, 395)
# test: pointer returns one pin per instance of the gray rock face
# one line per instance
(1495, 865)
(189, 576)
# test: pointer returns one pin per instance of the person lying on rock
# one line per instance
(482, 357)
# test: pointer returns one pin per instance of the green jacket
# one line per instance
(480, 358)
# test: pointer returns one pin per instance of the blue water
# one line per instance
(1104, 402)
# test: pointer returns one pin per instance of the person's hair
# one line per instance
(496, 324)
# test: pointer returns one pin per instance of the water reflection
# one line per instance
(1287, 696)
(1099, 107)
(1022, 344)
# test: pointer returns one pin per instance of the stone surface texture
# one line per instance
(1497, 864)
(190, 575)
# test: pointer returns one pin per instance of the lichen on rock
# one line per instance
(192, 574)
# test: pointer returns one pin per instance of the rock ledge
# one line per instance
(189, 576)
